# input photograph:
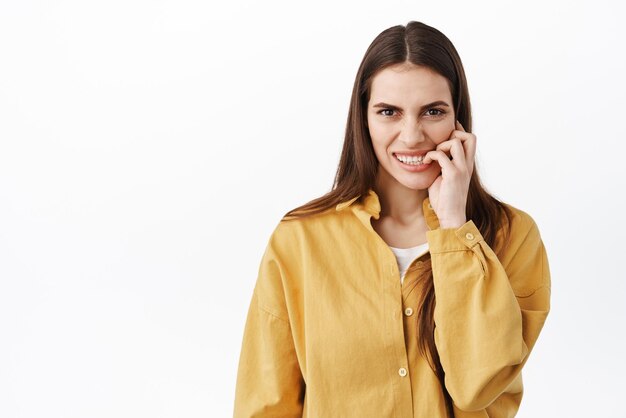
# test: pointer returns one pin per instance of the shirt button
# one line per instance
(402, 371)
(469, 236)
(430, 206)
(408, 311)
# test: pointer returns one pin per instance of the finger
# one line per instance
(457, 151)
(459, 126)
(442, 159)
(468, 140)
(470, 150)
(469, 145)
(454, 136)
(445, 147)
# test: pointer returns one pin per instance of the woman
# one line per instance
(407, 290)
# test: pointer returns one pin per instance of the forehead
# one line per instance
(408, 84)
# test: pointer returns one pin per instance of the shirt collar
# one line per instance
(370, 204)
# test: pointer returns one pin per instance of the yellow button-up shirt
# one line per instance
(332, 332)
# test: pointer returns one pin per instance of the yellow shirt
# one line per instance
(331, 331)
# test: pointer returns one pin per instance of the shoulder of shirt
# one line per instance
(292, 227)
(522, 222)
(293, 238)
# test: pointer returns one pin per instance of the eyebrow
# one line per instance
(437, 103)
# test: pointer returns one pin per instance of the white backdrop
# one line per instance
(149, 148)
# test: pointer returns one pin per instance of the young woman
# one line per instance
(407, 290)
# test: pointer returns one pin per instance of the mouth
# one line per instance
(411, 159)
(413, 162)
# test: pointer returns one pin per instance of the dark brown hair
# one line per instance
(422, 45)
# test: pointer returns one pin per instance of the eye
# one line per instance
(440, 112)
(380, 112)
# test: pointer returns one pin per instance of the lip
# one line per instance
(412, 153)
(413, 168)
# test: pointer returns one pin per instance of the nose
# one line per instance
(412, 133)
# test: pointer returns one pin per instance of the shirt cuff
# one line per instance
(453, 239)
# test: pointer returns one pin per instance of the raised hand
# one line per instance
(448, 193)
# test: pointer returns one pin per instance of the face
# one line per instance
(402, 117)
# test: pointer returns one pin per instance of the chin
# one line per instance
(417, 184)
(413, 181)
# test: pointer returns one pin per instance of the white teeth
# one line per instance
(415, 160)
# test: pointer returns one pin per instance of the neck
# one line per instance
(398, 202)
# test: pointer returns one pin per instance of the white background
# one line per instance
(149, 148)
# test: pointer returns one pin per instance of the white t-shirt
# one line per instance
(405, 257)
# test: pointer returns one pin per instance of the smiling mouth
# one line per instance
(414, 160)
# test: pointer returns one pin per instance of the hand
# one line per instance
(448, 193)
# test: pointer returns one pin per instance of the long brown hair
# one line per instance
(422, 45)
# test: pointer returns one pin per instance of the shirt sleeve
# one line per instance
(269, 380)
(489, 312)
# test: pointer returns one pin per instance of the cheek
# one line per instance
(375, 129)
(442, 133)
(379, 135)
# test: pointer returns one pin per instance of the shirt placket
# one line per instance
(399, 310)
(399, 361)
(410, 297)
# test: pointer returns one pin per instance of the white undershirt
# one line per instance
(405, 256)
